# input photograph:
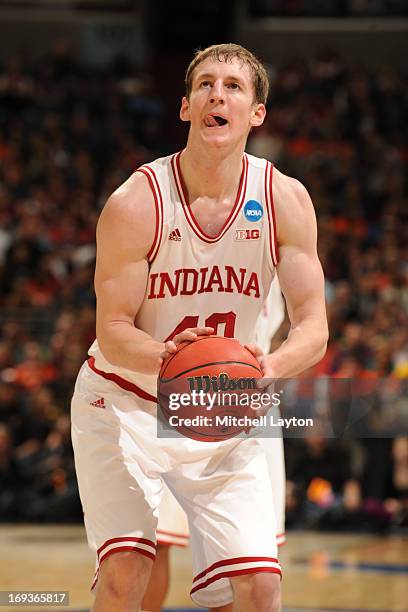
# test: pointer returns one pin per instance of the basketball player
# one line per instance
(189, 246)
(172, 527)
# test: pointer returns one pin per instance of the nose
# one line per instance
(217, 94)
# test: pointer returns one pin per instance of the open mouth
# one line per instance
(215, 121)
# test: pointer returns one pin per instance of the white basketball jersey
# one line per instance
(195, 279)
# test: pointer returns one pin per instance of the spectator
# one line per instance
(10, 481)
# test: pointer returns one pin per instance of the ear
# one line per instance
(185, 110)
(258, 115)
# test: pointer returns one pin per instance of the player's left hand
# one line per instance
(255, 350)
(262, 384)
(264, 361)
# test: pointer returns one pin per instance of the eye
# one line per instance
(205, 84)
(233, 86)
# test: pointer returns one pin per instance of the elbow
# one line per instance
(106, 348)
(106, 343)
(321, 353)
(322, 348)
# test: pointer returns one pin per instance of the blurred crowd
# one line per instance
(328, 8)
(359, 485)
(69, 137)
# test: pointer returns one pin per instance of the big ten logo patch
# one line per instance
(247, 234)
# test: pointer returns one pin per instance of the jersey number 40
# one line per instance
(215, 320)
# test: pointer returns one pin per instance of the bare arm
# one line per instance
(301, 279)
(124, 236)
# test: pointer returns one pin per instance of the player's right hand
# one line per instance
(188, 335)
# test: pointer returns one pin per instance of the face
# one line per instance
(221, 108)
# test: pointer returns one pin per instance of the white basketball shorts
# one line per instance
(223, 487)
(172, 528)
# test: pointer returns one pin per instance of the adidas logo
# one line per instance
(175, 235)
(99, 403)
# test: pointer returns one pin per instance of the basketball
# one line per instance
(204, 389)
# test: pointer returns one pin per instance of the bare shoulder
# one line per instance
(289, 192)
(295, 215)
(128, 218)
(288, 185)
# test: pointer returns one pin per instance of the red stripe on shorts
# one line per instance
(121, 382)
(233, 562)
(142, 551)
(249, 570)
(128, 539)
(133, 548)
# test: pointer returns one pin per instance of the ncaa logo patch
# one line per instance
(253, 211)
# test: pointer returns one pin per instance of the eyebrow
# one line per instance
(209, 75)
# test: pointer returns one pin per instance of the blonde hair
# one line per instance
(227, 53)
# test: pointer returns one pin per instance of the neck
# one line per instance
(211, 173)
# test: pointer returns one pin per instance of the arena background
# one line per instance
(89, 90)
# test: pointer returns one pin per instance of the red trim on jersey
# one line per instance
(234, 211)
(192, 221)
(231, 574)
(233, 561)
(181, 188)
(273, 214)
(269, 213)
(121, 382)
(158, 202)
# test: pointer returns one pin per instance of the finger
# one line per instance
(192, 333)
(170, 346)
(261, 384)
(267, 370)
(255, 350)
(187, 333)
(202, 331)
(185, 336)
(268, 380)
